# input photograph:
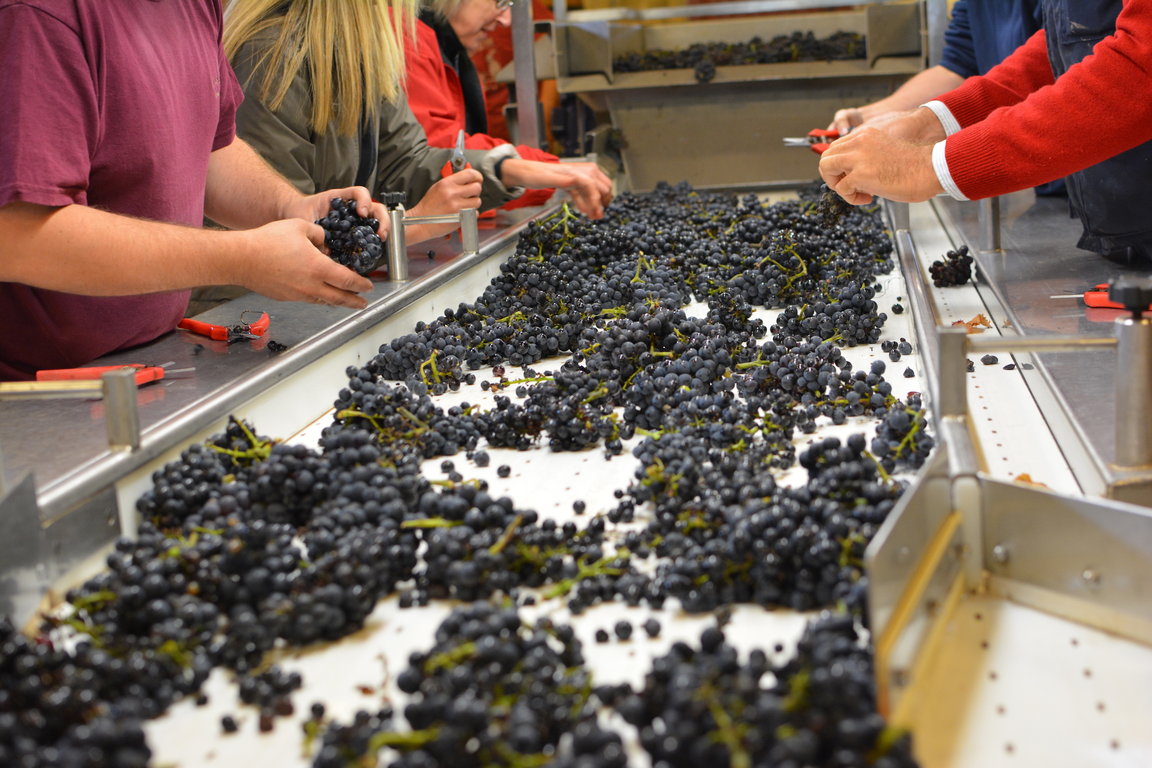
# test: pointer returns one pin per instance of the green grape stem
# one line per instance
(451, 658)
(507, 536)
(598, 568)
(431, 522)
(401, 741)
(430, 365)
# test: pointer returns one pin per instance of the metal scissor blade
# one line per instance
(458, 161)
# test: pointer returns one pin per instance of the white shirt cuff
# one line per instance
(488, 168)
(940, 166)
(950, 124)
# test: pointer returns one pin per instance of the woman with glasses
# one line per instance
(324, 100)
(446, 96)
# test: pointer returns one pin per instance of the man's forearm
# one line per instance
(78, 249)
(922, 87)
(243, 191)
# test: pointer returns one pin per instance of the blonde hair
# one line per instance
(353, 49)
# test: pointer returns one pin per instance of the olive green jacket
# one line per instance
(314, 162)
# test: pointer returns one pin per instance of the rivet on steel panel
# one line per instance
(903, 555)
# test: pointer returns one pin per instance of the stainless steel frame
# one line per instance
(957, 529)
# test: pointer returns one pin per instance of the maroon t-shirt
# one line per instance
(116, 104)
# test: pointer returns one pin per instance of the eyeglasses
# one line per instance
(502, 4)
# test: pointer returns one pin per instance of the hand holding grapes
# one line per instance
(285, 262)
(313, 207)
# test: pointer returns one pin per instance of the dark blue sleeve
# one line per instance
(999, 27)
(959, 53)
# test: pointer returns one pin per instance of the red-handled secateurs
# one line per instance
(144, 373)
(818, 140)
(228, 333)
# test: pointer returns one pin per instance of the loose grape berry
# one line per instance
(623, 630)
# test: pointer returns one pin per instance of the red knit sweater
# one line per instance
(1020, 129)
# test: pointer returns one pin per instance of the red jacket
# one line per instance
(1020, 127)
(437, 100)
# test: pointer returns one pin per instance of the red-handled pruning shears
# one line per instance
(144, 373)
(228, 333)
(818, 140)
(1096, 297)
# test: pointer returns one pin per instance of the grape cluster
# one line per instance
(270, 691)
(705, 70)
(954, 269)
(833, 208)
(703, 705)
(851, 318)
(351, 238)
(902, 439)
(798, 46)
(493, 690)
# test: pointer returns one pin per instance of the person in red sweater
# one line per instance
(1064, 104)
(445, 94)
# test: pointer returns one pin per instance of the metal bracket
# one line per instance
(398, 244)
(121, 416)
(990, 224)
(23, 579)
(524, 61)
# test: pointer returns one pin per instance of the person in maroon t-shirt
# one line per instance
(119, 138)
